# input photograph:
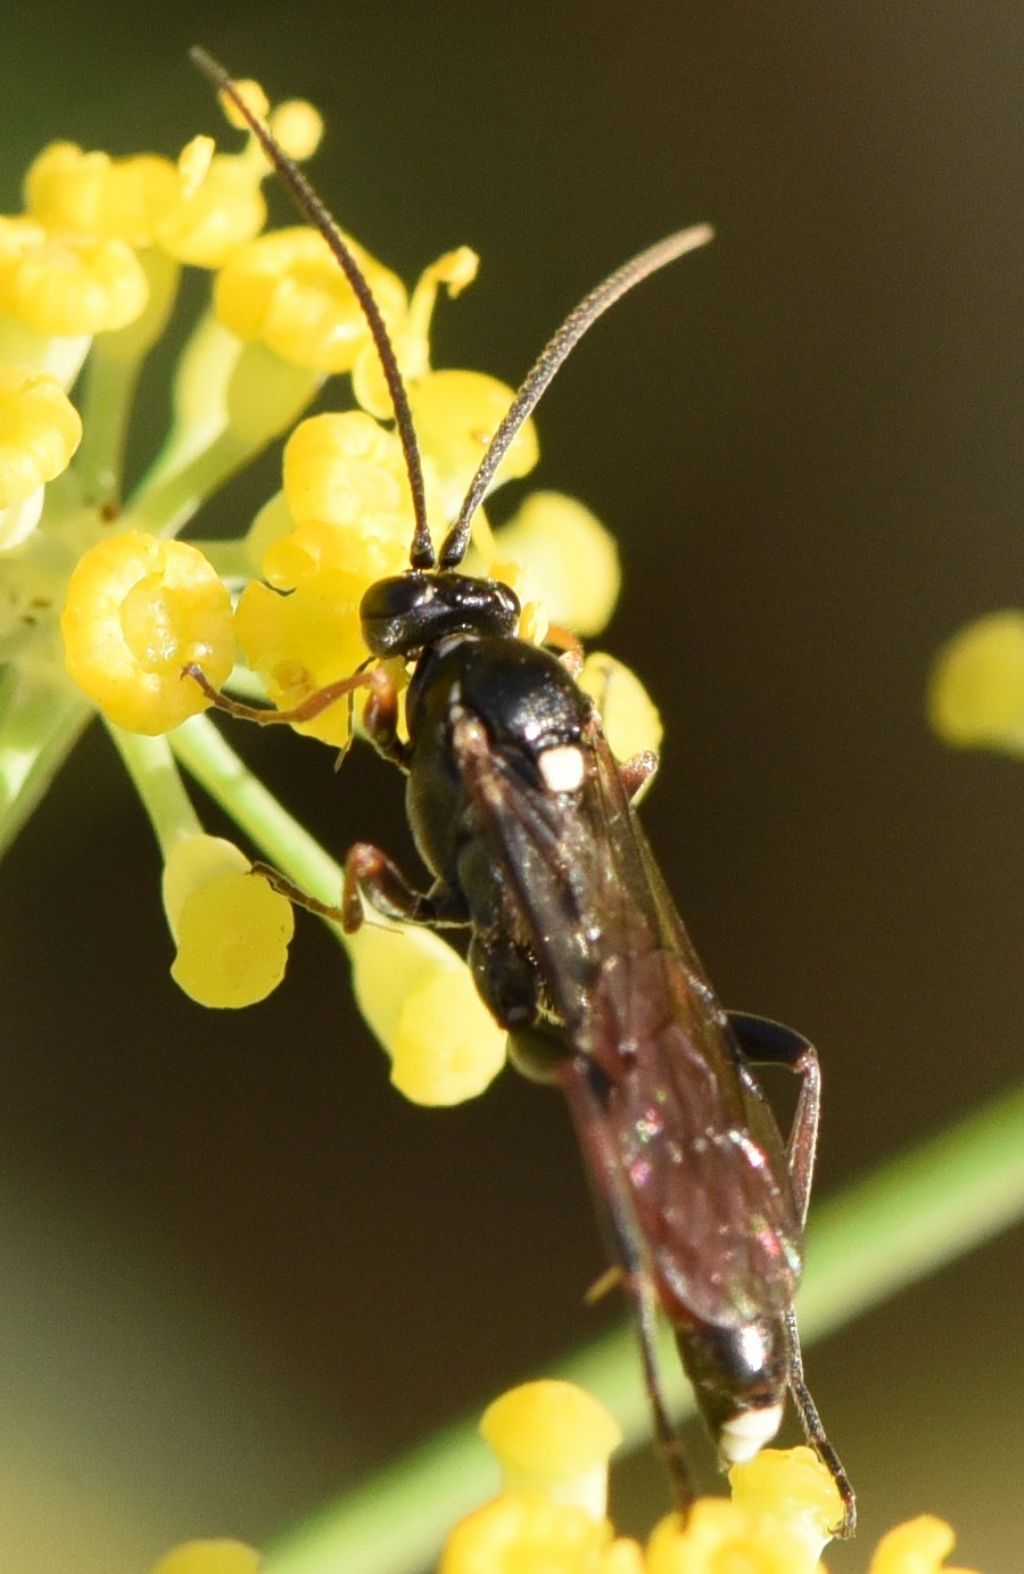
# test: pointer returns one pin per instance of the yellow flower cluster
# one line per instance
(553, 1443)
(89, 277)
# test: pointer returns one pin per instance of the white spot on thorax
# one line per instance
(561, 768)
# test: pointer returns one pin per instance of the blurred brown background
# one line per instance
(236, 1269)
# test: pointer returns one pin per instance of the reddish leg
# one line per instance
(638, 772)
(371, 874)
(570, 645)
(310, 708)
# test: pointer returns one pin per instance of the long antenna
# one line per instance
(453, 549)
(312, 206)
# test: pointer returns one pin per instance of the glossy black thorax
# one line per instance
(523, 697)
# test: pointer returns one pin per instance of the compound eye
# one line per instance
(393, 613)
(396, 598)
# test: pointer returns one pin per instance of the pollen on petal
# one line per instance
(209, 1557)
(232, 930)
(138, 611)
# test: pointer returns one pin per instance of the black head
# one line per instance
(410, 611)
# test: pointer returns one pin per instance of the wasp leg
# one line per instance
(770, 1043)
(638, 1287)
(765, 1042)
(295, 894)
(371, 874)
(570, 645)
(638, 772)
(813, 1427)
(615, 1210)
(310, 708)
(380, 719)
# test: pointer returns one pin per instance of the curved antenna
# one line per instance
(550, 359)
(310, 204)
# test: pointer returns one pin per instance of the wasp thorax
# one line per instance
(403, 614)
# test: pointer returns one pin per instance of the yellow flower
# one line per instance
(298, 127)
(287, 290)
(976, 695)
(209, 1557)
(629, 717)
(419, 998)
(917, 1547)
(345, 469)
(301, 642)
(346, 488)
(138, 610)
(721, 1538)
(68, 284)
(456, 414)
(411, 336)
(67, 189)
(524, 1533)
(231, 929)
(570, 561)
(302, 631)
(553, 1442)
(796, 1487)
(210, 218)
(40, 430)
(554, 1438)
(199, 211)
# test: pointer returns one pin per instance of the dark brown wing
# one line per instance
(667, 1113)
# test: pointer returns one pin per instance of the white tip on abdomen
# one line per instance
(746, 1432)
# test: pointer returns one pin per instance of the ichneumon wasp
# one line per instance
(527, 825)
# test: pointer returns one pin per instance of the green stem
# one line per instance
(39, 726)
(109, 389)
(218, 769)
(150, 764)
(166, 501)
(231, 558)
(882, 1233)
(112, 373)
